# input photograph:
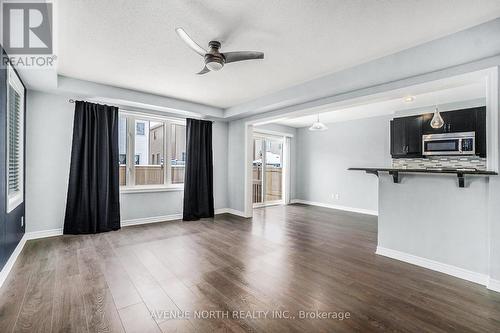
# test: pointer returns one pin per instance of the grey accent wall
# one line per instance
(323, 159)
(49, 123)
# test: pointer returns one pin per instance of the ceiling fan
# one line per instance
(215, 60)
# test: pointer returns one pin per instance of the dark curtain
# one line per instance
(93, 193)
(198, 179)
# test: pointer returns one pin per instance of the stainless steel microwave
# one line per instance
(462, 143)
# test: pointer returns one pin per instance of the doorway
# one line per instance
(267, 170)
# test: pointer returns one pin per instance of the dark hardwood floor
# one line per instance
(293, 258)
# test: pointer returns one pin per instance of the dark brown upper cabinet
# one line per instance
(406, 132)
(454, 121)
(406, 137)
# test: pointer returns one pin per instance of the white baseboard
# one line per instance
(435, 265)
(494, 285)
(154, 219)
(44, 233)
(172, 217)
(12, 260)
(339, 207)
(221, 211)
(232, 211)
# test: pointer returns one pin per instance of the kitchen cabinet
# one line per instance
(406, 137)
(481, 131)
(454, 121)
(406, 132)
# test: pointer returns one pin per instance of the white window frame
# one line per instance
(130, 187)
(16, 198)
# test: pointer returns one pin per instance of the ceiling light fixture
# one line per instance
(437, 121)
(318, 126)
(409, 99)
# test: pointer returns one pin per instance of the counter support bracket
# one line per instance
(459, 173)
(395, 176)
(461, 179)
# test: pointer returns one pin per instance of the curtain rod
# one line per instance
(73, 101)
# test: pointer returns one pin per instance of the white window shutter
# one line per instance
(15, 141)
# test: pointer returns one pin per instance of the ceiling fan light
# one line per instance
(214, 66)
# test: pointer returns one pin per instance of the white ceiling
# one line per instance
(132, 44)
(425, 100)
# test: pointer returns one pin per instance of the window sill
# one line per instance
(146, 189)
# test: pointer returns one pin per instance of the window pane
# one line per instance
(122, 148)
(178, 148)
(149, 152)
(274, 169)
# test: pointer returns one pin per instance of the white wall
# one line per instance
(236, 166)
(324, 157)
(429, 216)
(49, 130)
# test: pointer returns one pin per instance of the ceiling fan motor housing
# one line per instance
(214, 60)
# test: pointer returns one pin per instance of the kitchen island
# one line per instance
(461, 173)
(425, 219)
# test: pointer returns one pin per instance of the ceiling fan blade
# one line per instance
(190, 42)
(242, 55)
(203, 71)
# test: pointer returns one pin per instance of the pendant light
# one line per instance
(318, 126)
(437, 121)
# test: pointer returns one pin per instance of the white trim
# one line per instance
(172, 217)
(268, 203)
(339, 207)
(152, 116)
(272, 133)
(43, 233)
(146, 189)
(494, 285)
(231, 211)
(248, 206)
(154, 219)
(492, 118)
(434, 265)
(12, 260)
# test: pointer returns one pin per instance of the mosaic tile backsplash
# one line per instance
(454, 162)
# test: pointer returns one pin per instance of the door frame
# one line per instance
(264, 135)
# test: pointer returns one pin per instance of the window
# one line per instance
(151, 140)
(140, 128)
(122, 148)
(178, 149)
(15, 141)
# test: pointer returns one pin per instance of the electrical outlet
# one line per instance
(22, 221)
(335, 196)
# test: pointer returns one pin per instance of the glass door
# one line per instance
(257, 179)
(267, 186)
(273, 171)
